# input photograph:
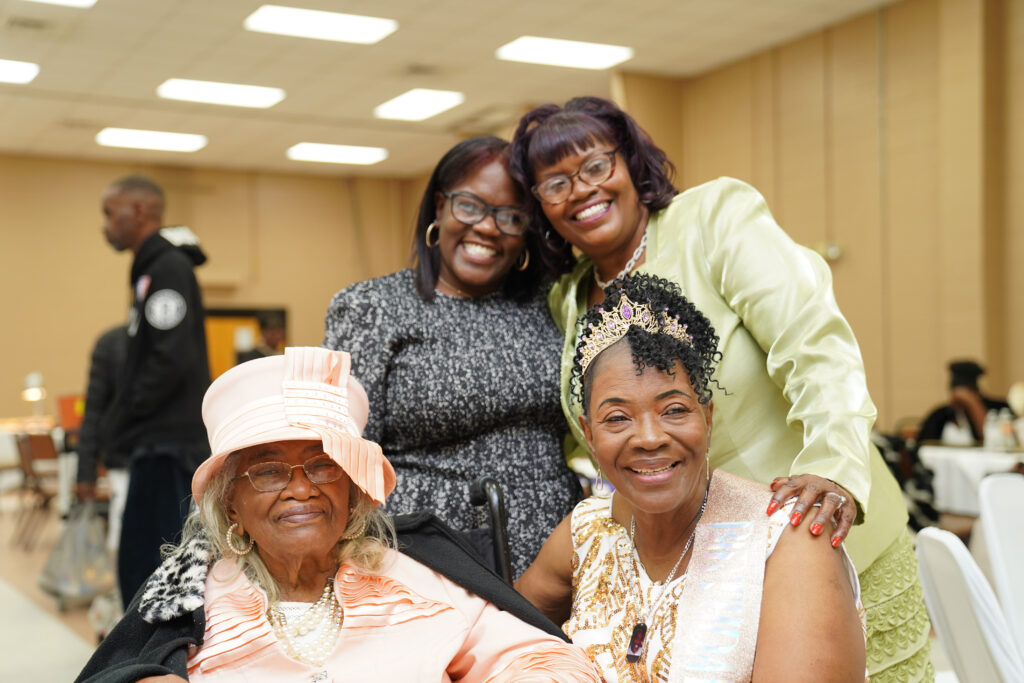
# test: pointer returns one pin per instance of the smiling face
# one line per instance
(476, 258)
(601, 220)
(647, 431)
(300, 520)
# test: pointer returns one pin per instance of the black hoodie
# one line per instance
(166, 372)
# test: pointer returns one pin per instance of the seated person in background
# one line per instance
(288, 569)
(679, 573)
(962, 421)
(271, 339)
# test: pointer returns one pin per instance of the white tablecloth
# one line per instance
(959, 471)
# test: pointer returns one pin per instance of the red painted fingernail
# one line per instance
(795, 519)
(772, 507)
(836, 540)
(816, 528)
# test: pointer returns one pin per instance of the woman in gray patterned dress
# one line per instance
(459, 356)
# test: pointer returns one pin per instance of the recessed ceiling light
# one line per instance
(150, 139)
(67, 3)
(17, 72)
(418, 104)
(310, 23)
(571, 53)
(337, 154)
(211, 92)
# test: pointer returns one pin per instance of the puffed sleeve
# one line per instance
(782, 292)
(355, 322)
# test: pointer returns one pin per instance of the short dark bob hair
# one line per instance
(660, 351)
(549, 133)
(459, 163)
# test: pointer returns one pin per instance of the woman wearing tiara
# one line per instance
(679, 575)
(798, 413)
(460, 357)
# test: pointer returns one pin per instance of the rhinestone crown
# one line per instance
(615, 323)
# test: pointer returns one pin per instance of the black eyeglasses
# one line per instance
(274, 476)
(594, 170)
(469, 209)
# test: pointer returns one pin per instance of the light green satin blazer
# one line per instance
(797, 400)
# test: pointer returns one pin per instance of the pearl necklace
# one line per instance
(638, 638)
(629, 264)
(310, 637)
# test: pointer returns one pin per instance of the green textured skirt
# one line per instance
(898, 647)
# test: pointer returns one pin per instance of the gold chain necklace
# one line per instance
(637, 640)
(458, 291)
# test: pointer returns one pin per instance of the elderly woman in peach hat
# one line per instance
(288, 568)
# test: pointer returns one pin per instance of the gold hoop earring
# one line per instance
(426, 235)
(356, 533)
(707, 465)
(229, 538)
(522, 263)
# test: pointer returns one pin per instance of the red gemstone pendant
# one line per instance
(636, 643)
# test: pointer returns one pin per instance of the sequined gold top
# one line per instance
(612, 592)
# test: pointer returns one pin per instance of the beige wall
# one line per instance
(272, 240)
(897, 135)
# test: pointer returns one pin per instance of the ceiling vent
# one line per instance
(31, 27)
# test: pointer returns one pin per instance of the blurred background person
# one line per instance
(961, 422)
(460, 357)
(156, 414)
(272, 338)
(106, 366)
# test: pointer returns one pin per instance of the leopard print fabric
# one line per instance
(178, 586)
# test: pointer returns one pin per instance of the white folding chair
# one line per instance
(1002, 514)
(965, 612)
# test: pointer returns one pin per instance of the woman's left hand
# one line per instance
(809, 489)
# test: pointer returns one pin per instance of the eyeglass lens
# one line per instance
(470, 210)
(274, 476)
(593, 171)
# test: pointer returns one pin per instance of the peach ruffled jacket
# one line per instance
(407, 623)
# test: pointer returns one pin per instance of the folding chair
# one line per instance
(1001, 499)
(38, 487)
(965, 612)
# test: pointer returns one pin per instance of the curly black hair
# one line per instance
(661, 351)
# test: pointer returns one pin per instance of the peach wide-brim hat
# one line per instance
(307, 393)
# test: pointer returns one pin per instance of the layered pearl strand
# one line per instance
(309, 636)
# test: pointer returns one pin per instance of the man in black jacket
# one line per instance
(156, 414)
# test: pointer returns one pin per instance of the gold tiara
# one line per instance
(615, 323)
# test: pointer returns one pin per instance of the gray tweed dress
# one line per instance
(459, 388)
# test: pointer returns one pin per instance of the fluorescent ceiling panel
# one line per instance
(418, 104)
(211, 92)
(337, 154)
(67, 3)
(150, 139)
(309, 23)
(571, 53)
(17, 72)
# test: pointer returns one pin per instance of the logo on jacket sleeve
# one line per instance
(165, 309)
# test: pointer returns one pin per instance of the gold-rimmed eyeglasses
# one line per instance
(274, 476)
